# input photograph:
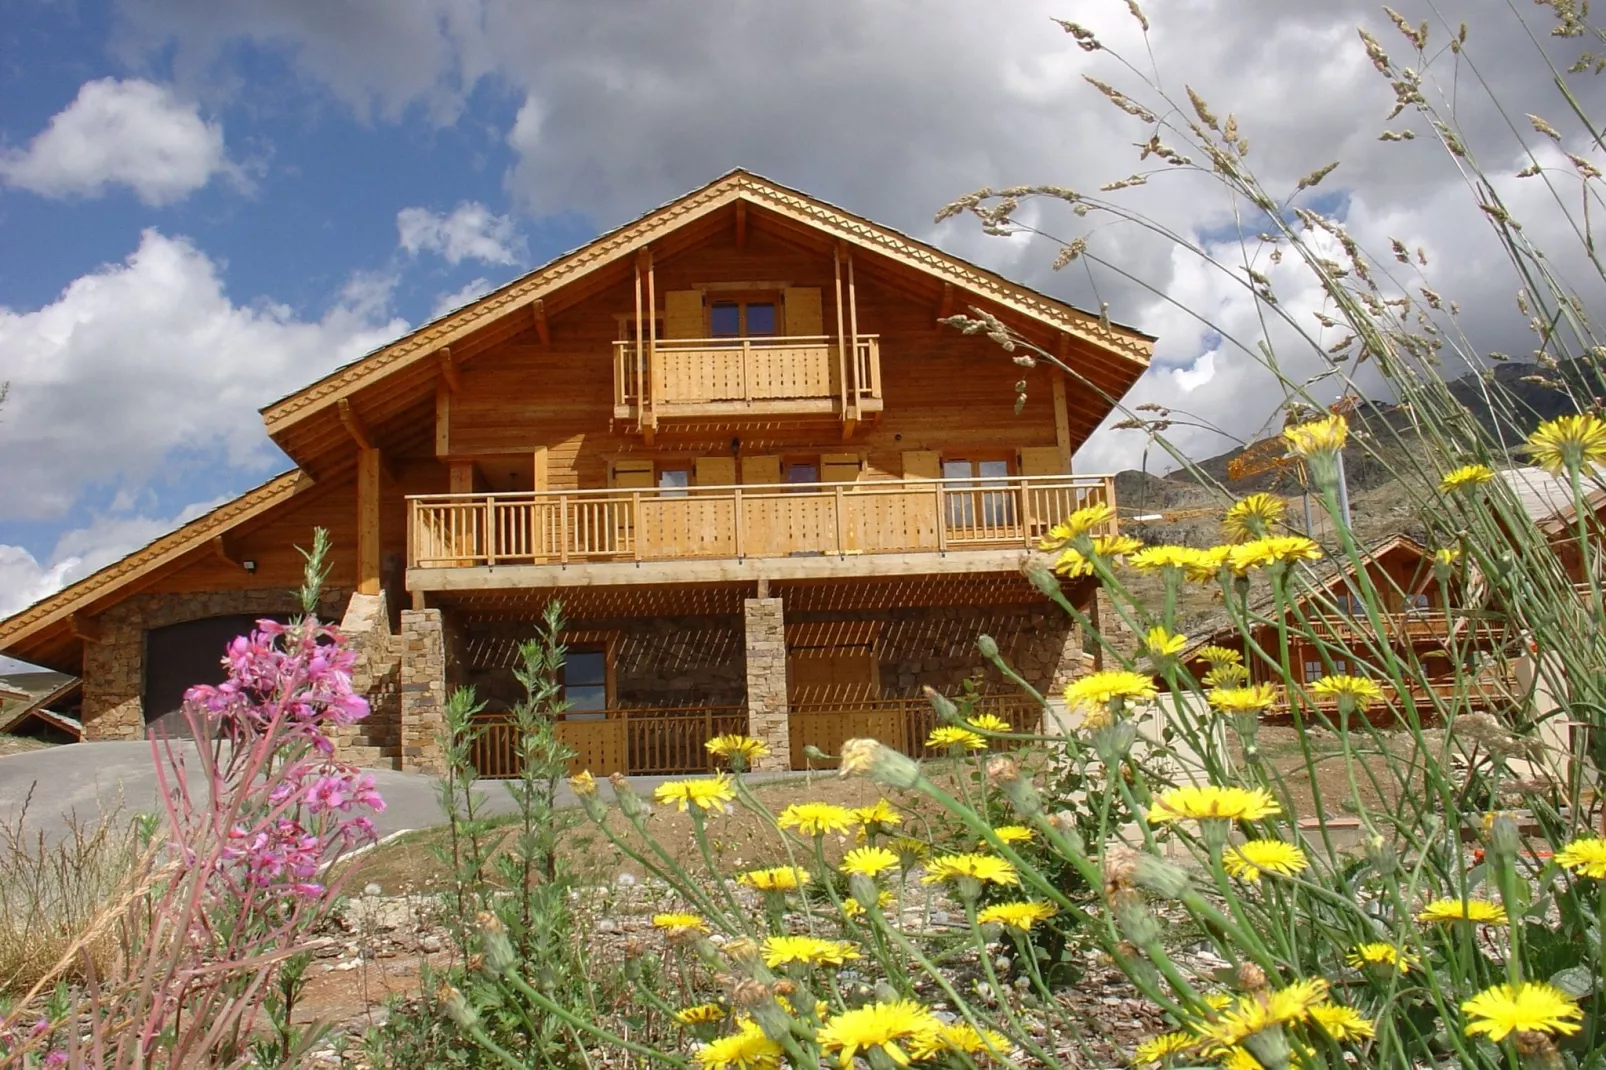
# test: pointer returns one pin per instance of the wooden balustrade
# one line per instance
(688, 376)
(637, 741)
(901, 723)
(1483, 690)
(892, 516)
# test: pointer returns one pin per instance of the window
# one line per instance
(672, 482)
(585, 684)
(1315, 670)
(800, 475)
(1416, 603)
(743, 319)
(969, 503)
(1347, 604)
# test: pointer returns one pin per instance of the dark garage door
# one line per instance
(180, 656)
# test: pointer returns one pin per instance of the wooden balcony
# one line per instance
(734, 378)
(456, 541)
(1411, 625)
(1489, 689)
(637, 742)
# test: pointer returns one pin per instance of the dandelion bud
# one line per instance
(583, 784)
(630, 804)
(1270, 1047)
(1134, 919)
(1505, 841)
(743, 952)
(1120, 868)
(750, 993)
(499, 956)
(815, 754)
(947, 712)
(1064, 821)
(1165, 879)
(987, 646)
(476, 962)
(595, 809)
(1537, 1051)
(1114, 741)
(457, 1007)
(882, 763)
(864, 891)
(1381, 854)
(1250, 978)
(1040, 576)
(1001, 769)
(708, 953)
(885, 993)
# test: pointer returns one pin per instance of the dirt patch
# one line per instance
(21, 745)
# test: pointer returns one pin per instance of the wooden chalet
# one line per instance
(772, 492)
(1418, 624)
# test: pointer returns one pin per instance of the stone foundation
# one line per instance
(764, 625)
(114, 668)
(423, 690)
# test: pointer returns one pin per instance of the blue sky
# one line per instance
(205, 204)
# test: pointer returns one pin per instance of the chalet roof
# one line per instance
(1548, 499)
(1120, 353)
(38, 702)
(58, 609)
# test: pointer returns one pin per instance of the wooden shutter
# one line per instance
(922, 464)
(803, 313)
(839, 468)
(633, 474)
(1040, 461)
(683, 314)
(761, 469)
(716, 471)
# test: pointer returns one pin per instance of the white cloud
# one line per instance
(470, 291)
(149, 356)
(471, 232)
(132, 133)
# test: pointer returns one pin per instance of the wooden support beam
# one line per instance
(539, 478)
(443, 418)
(741, 224)
(220, 548)
(354, 425)
(853, 330)
(86, 628)
(368, 469)
(1062, 420)
(946, 307)
(449, 373)
(542, 331)
(460, 477)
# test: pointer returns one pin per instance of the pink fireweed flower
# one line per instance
(340, 791)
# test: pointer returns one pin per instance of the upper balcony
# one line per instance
(895, 527)
(737, 378)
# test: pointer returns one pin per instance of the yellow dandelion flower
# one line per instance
(980, 867)
(676, 923)
(1255, 1012)
(1155, 558)
(1238, 1059)
(1103, 688)
(1530, 1007)
(960, 1037)
(1013, 834)
(1470, 475)
(816, 818)
(1203, 803)
(700, 1014)
(746, 1049)
(1071, 563)
(1249, 860)
(583, 784)
(1356, 689)
(1276, 550)
(869, 861)
(1253, 517)
(1020, 916)
(1446, 555)
(880, 815)
(778, 879)
(1079, 523)
(1481, 911)
(1202, 566)
(1116, 545)
(808, 950)
(729, 746)
(989, 722)
(884, 1027)
(1586, 857)
(1341, 1022)
(1326, 435)
(706, 794)
(1218, 656)
(953, 736)
(1242, 699)
(910, 850)
(883, 901)
(1161, 643)
(1568, 443)
(1225, 676)
(1159, 1048)
(1381, 954)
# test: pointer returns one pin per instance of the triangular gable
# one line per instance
(1124, 343)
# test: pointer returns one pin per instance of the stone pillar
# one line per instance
(114, 675)
(423, 690)
(767, 719)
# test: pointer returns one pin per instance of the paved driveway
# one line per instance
(88, 780)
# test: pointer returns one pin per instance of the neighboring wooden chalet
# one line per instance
(1548, 501)
(772, 492)
(1419, 626)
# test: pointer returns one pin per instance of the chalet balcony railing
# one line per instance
(630, 740)
(893, 516)
(1406, 625)
(1490, 687)
(709, 376)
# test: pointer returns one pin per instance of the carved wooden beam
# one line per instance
(220, 547)
(354, 425)
(87, 628)
(741, 224)
(541, 329)
(454, 381)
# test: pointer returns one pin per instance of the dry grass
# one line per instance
(52, 890)
(21, 744)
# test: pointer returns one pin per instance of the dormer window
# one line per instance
(737, 318)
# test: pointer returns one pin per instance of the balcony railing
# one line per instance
(1489, 687)
(894, 516)
(1407, 624)
(711, 376)
(634, 741)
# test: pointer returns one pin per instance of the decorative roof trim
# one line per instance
(1124, 342)
(75, 597)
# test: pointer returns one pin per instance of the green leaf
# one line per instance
(1576, 981)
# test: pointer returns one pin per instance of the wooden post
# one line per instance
(841, 339)
(853, 330)
(490, 530)
(737, 519)
(747, 371)
(640, 362)
(443, 417)
(836, 505)
(942, 519)
(563, 528)
(368, 521)
(652, 335)
(1062, 420)
(635, 517)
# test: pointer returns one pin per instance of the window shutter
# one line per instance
(1040, 461)
(716, 471)
(839, 468)
(683, 314)
(633, 474)
(761, 469)
(922, 464)
(803, 314)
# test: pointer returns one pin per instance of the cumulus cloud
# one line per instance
(470, 291)
(470, 232)
(145, 357)
(120, 133)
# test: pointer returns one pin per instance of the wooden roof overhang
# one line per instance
(51, 632)
(391, 390)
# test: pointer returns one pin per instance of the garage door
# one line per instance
(180, 656)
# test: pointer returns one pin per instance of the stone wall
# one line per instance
(423, 690)
(114, 668)
(374, 741)
(764, 625)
